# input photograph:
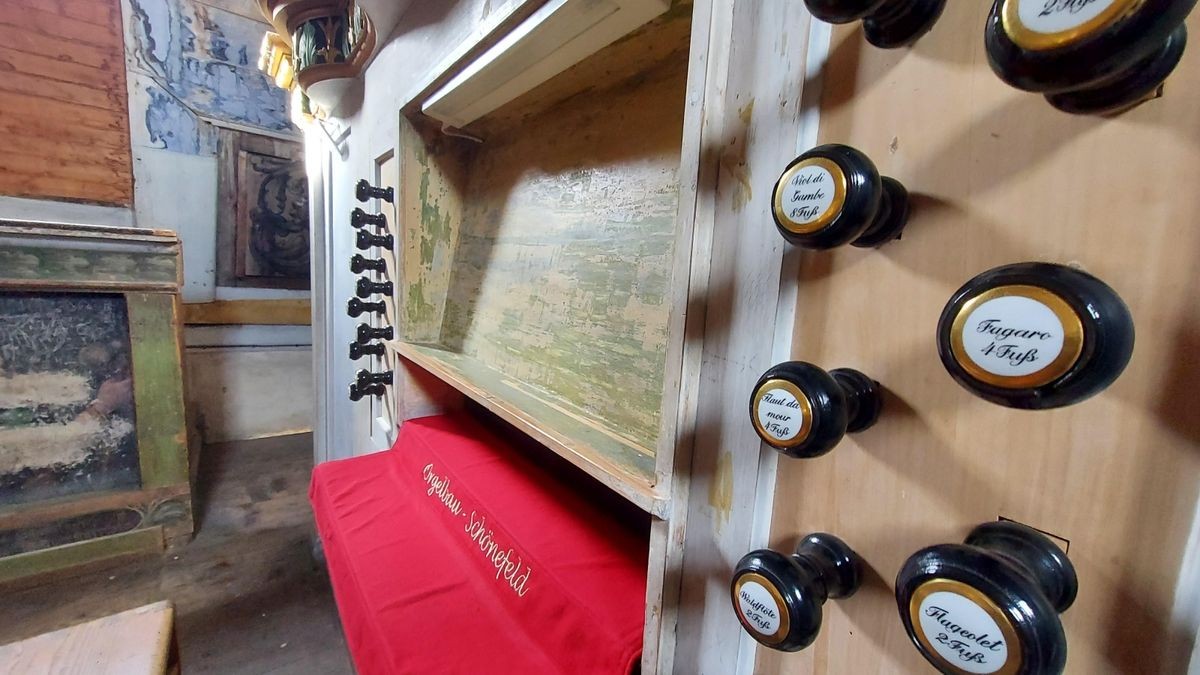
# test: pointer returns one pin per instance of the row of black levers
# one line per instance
(367, 383)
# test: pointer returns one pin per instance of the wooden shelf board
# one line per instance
(619, 464)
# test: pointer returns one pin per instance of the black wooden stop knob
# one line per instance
(1035, 335)
(887, 23)
(365, 288)
(364, 191)
(803, 411)
(359, 350)
(778, 597)
(359, 392)
(365, 240)
(360, 264)
(1087, 56)
(355, 308)
(359, 218)
(365, 378)
(367, 333)
(990, 604)
(833, 195)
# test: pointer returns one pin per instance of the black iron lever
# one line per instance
(359, 218)
(367, 333)
(366, 288)
(355, 308)
(359, 350)
(364, 191)
(360, 264)
(364, 378)
(365, 240)
(357, 393)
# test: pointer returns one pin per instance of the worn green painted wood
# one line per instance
(564, 419)
(61, 266)
(134, 542)
(558, 274)
(158, 388)
(431, 184)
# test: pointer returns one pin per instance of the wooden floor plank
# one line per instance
(248, 597)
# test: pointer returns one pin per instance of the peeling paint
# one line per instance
(196, 59)
(746, 112)
(720, 490)
(551, 259)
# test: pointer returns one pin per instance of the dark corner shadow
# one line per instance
(1175, 407)
(1000, 167)
(422, 13)
(352, 101)
(872, 609)
(921, 450)
(944, 42)
(929, 218)
(571, 138)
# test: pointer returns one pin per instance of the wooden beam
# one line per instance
(91, 552)
(249, 312)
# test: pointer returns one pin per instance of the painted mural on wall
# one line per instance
(66, 396)
(185, 58)
(272, 218)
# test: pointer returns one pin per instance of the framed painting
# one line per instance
(94, 460)
(262, 212)
(67, 420)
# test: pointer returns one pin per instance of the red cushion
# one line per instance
(452, 553)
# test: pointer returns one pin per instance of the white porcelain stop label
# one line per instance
(1012, 336)
(780, 414)
(809, 194)
(962, 633)
(758, 608)
(1059, 16)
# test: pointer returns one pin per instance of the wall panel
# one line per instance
(63, 101)
(1000, 177)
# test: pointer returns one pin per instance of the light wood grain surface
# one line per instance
(134, 642)
(999, 177)
(63, 105)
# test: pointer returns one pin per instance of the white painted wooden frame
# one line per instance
(555, 37)
(757, 58)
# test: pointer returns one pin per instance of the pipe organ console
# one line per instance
(608, 285)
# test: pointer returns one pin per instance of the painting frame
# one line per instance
(142, 266)
(241, 156)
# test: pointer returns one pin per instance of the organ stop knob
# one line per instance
(778, 598)
(833, 195)
(990, 604)
(887, 23)
(803, 411)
